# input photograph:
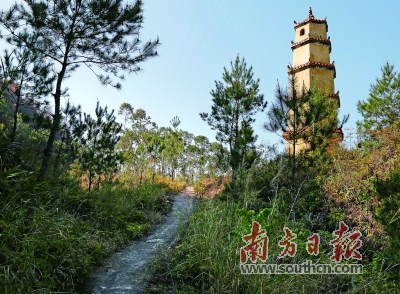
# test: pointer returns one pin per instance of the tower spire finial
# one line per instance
(310, 14)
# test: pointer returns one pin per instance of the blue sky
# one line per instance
(199, 38)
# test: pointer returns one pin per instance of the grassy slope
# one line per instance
(51, 235)
(207, 258)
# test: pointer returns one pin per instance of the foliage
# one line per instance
(66, 152)
(94, 142)
(5, 116)
(139, 142)
(52, 234)
(210, 187)
(363, 188)
(107, 42)
(382, 107)
(236, 101)
(28, 142)
(176, 185)
(28, 79)
(206, 259)
(173, 146)
(360, 187)
(308, 116)
(151, 151)
(388, 215)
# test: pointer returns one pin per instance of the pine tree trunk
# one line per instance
(56, 164)
(50, 141)
(56, 122)
(234, 184)
(90, 182)
(17, 105)
(57, 108)
(14, 129)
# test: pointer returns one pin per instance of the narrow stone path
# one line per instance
(125, 270)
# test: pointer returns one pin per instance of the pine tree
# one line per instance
(308, 116)
(69, 121)
(236, 101)
(100, 34)
(95, 142)
(382, 107)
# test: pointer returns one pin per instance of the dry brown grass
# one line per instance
(209, 188)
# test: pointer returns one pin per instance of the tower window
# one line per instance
(302, 32)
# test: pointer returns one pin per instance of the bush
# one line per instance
(209, 187)
(176, 185)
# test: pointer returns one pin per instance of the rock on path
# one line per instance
(125, 269)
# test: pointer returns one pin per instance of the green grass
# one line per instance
(206, 260)
(51, 235)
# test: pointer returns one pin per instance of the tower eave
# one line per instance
(311, 64)
(311, 19)
(311, 40)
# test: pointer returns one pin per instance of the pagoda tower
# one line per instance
(311, 66)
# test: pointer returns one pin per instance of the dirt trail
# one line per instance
(189, 190)
(125, 270)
